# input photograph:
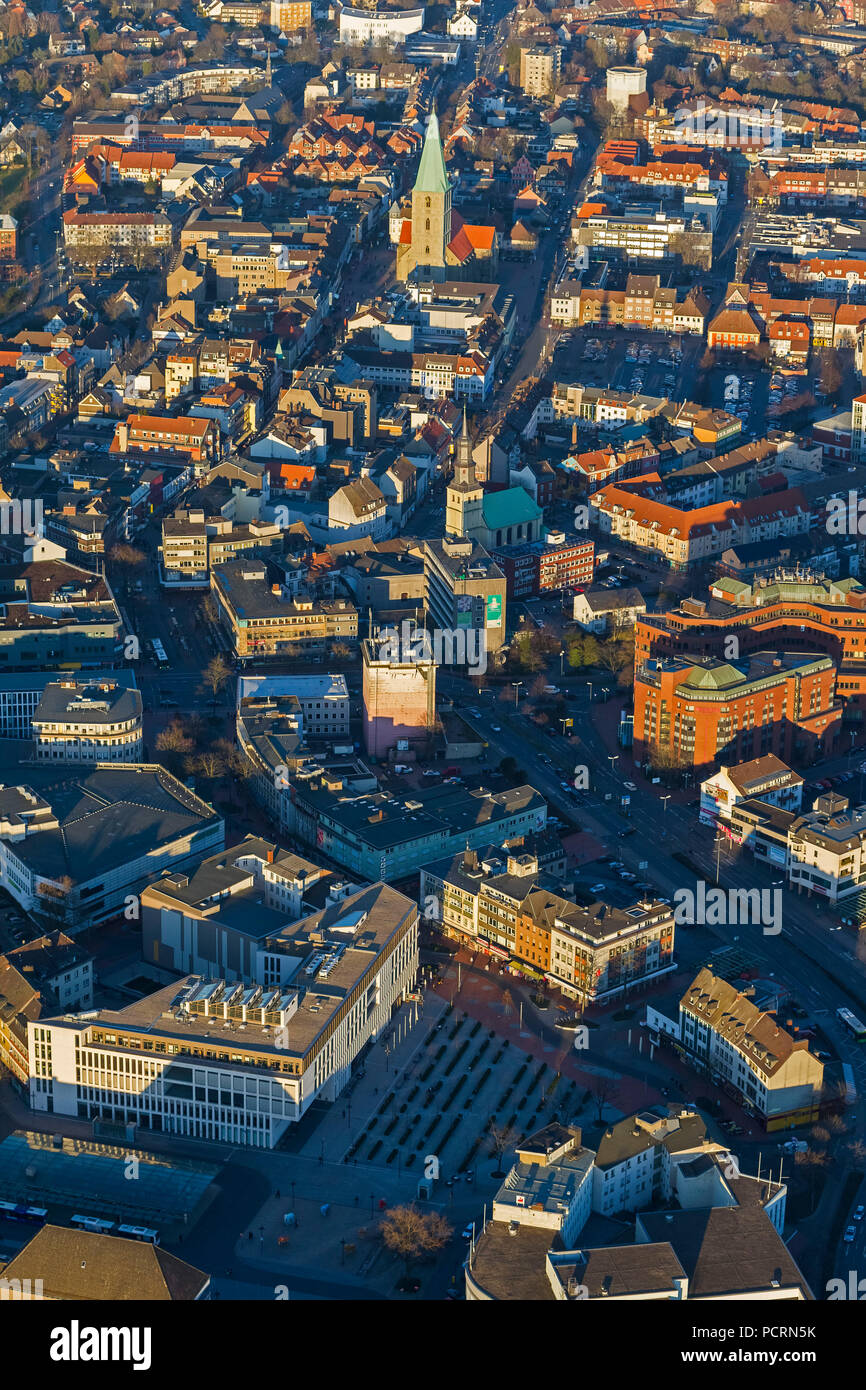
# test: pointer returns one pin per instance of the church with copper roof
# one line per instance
(435, 243)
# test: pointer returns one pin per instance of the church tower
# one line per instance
(426, 252)
(464, 498)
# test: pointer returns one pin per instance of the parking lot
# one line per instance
(652, 364)
(15, 926)
(743, 393)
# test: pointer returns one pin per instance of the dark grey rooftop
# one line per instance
(102, 701)
(108, 817)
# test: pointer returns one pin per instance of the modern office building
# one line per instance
(695, 712)
(263, 621)
(337, 807)
(466, 598)
(793, 612)
(238, 1062)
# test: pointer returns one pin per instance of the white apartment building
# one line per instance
(766, 779)
(723, 1033)
(122, 230)
(637, 1158)
(88, 721)
(237, 1062)
(827, 849)
(390, 27)
(550, 1184)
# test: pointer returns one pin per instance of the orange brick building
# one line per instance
(794, 615)
(196, 439)
(696, 712)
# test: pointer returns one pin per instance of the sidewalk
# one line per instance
(366, 1093)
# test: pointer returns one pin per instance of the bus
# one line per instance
(94, 1223)
(33, 1216)
(849, 1084)
(139, 1233)
(852, 1023)
(159, 655)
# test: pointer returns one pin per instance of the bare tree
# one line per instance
(174, 741)
(814, 1163)
(602, 1089)
(501, 1138)
(214, 677)
(208, 763)
(412, 1234)
(126, 558)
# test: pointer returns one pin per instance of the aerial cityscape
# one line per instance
(433, 656)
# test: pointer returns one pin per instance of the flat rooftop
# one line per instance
(90, 1177)
(329, 687)
(362, 926)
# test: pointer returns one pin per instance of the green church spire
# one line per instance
(432, 174)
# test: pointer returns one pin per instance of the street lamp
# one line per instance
(517, 685)
(589, 683)
(562, 664)
(718, 849)
(613, 758)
